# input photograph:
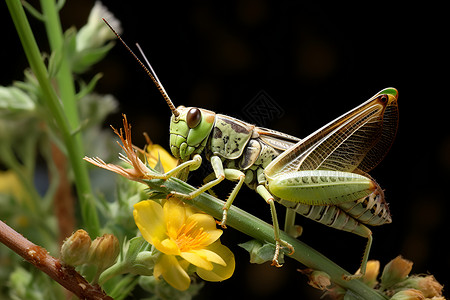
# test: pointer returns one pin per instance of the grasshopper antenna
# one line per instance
(151, 69)
(150, 72)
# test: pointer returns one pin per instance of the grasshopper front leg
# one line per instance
(192, 164)
(220, 174)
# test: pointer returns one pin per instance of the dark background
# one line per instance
(314, 61)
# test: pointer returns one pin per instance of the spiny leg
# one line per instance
(364, 232)
(220, 174)
(261, 189)
(207, 179)
(192, 164)
(233, 175)
(217, 165)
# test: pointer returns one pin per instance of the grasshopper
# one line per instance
(322, 177)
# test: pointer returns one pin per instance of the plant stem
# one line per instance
(64, 75)
(39, 257)
(51, 100)
(114, 270)
(262, 231)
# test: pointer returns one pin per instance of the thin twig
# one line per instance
(39, 257)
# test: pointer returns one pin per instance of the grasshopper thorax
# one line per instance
(189, 131)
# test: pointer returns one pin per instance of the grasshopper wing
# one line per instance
(357, 139)
(278, 140)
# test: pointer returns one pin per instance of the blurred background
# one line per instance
(311, 62)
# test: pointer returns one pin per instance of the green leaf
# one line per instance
(260, 252)
(137, 257)
(159, 167)
(123, 288)
(135, 246)
(88, 88)
(85, 58)
(13, 99)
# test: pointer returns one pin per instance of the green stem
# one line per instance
(64, 75)
(51, 100)
(114, 270)
(262, 231)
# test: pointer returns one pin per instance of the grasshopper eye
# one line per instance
(193, 117)
(384, 98)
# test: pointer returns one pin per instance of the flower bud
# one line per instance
(372, 271)
(320, 280)
(317, 279)
(95, 33)
(428, 285)
(91, 41)
(75, 248)
(395, 271)
(104, 251)
(410, 294)
(143, 264)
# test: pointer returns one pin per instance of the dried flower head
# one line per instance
(410, 294)
(428, 285)
(139, 170)
(395, 271)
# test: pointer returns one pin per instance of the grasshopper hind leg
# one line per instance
(363, 231)
(289, 224)
(279, 243)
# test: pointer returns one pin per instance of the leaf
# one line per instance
(88, 88)
(159, 167)
(84, 59)
(260, 252)
(14, 99)
(135, 246)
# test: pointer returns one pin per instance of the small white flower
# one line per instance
(95, 33)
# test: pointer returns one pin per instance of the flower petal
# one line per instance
(203, 220)
(148, 216)
(208, 224)
(174, 216)
(172, 272)
(167, 246)
(210, 256)
(197, 260)
(219, 272)
(156, 151)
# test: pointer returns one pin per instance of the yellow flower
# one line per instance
(372, 271)
(10, 184)
(184, 237)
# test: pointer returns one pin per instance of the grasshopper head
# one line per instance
(189, 131)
